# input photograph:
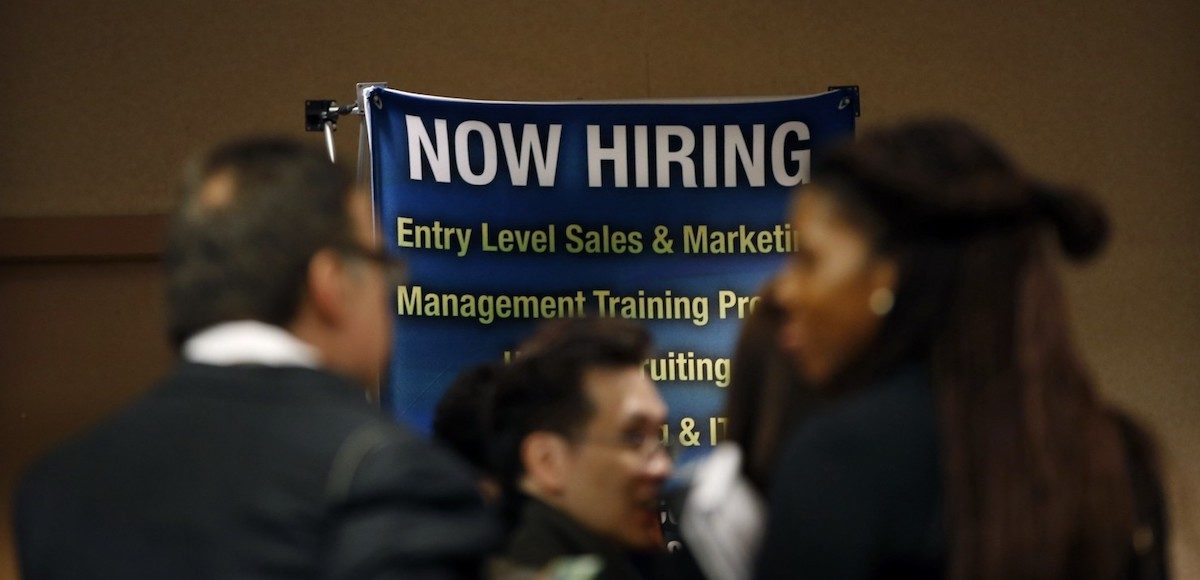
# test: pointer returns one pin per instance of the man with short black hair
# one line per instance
(578, 429)
(259, 455)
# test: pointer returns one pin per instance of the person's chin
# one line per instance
(645, 541)
(645, 534)
(815, 369)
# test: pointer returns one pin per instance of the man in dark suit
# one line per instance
(579, 445)
(259, 455)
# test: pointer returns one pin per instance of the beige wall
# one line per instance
(102, 100)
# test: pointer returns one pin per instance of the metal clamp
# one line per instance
(323, 115)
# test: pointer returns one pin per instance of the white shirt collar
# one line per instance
(249, 342)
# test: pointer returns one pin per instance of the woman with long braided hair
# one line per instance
(965, 439)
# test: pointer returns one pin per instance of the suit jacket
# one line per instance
(544, 535)
(250, 472)
(857, 492)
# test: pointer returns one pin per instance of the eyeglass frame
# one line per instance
(645, 445)
(394, 269)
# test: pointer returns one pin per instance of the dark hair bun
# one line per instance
(1080, 222)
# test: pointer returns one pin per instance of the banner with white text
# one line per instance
(672, 213)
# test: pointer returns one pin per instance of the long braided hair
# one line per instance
(1035, 467)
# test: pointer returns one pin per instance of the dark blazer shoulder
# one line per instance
(398, 498)
(857, 488)
(892, 414)
(328, 479)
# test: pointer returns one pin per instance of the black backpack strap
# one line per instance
(350, 455)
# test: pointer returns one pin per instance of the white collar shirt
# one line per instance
(242, 342)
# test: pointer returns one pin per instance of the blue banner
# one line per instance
(508, 214)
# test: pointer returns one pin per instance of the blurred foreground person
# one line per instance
(766, 392)
(259, 455)
(967, 440)
(578, 446)
(724, 515)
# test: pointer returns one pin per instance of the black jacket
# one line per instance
(544, 534)
(858, 492)
(250, 472)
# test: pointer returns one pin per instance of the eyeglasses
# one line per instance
(647, 446)
(393, 267)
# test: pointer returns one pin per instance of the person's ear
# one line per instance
(324, 286)
(885, 273)
(883, 279)
(545, 458)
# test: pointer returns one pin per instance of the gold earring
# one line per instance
(881, 301)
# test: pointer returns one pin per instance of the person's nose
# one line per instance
(660, 465)
(786, 286)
